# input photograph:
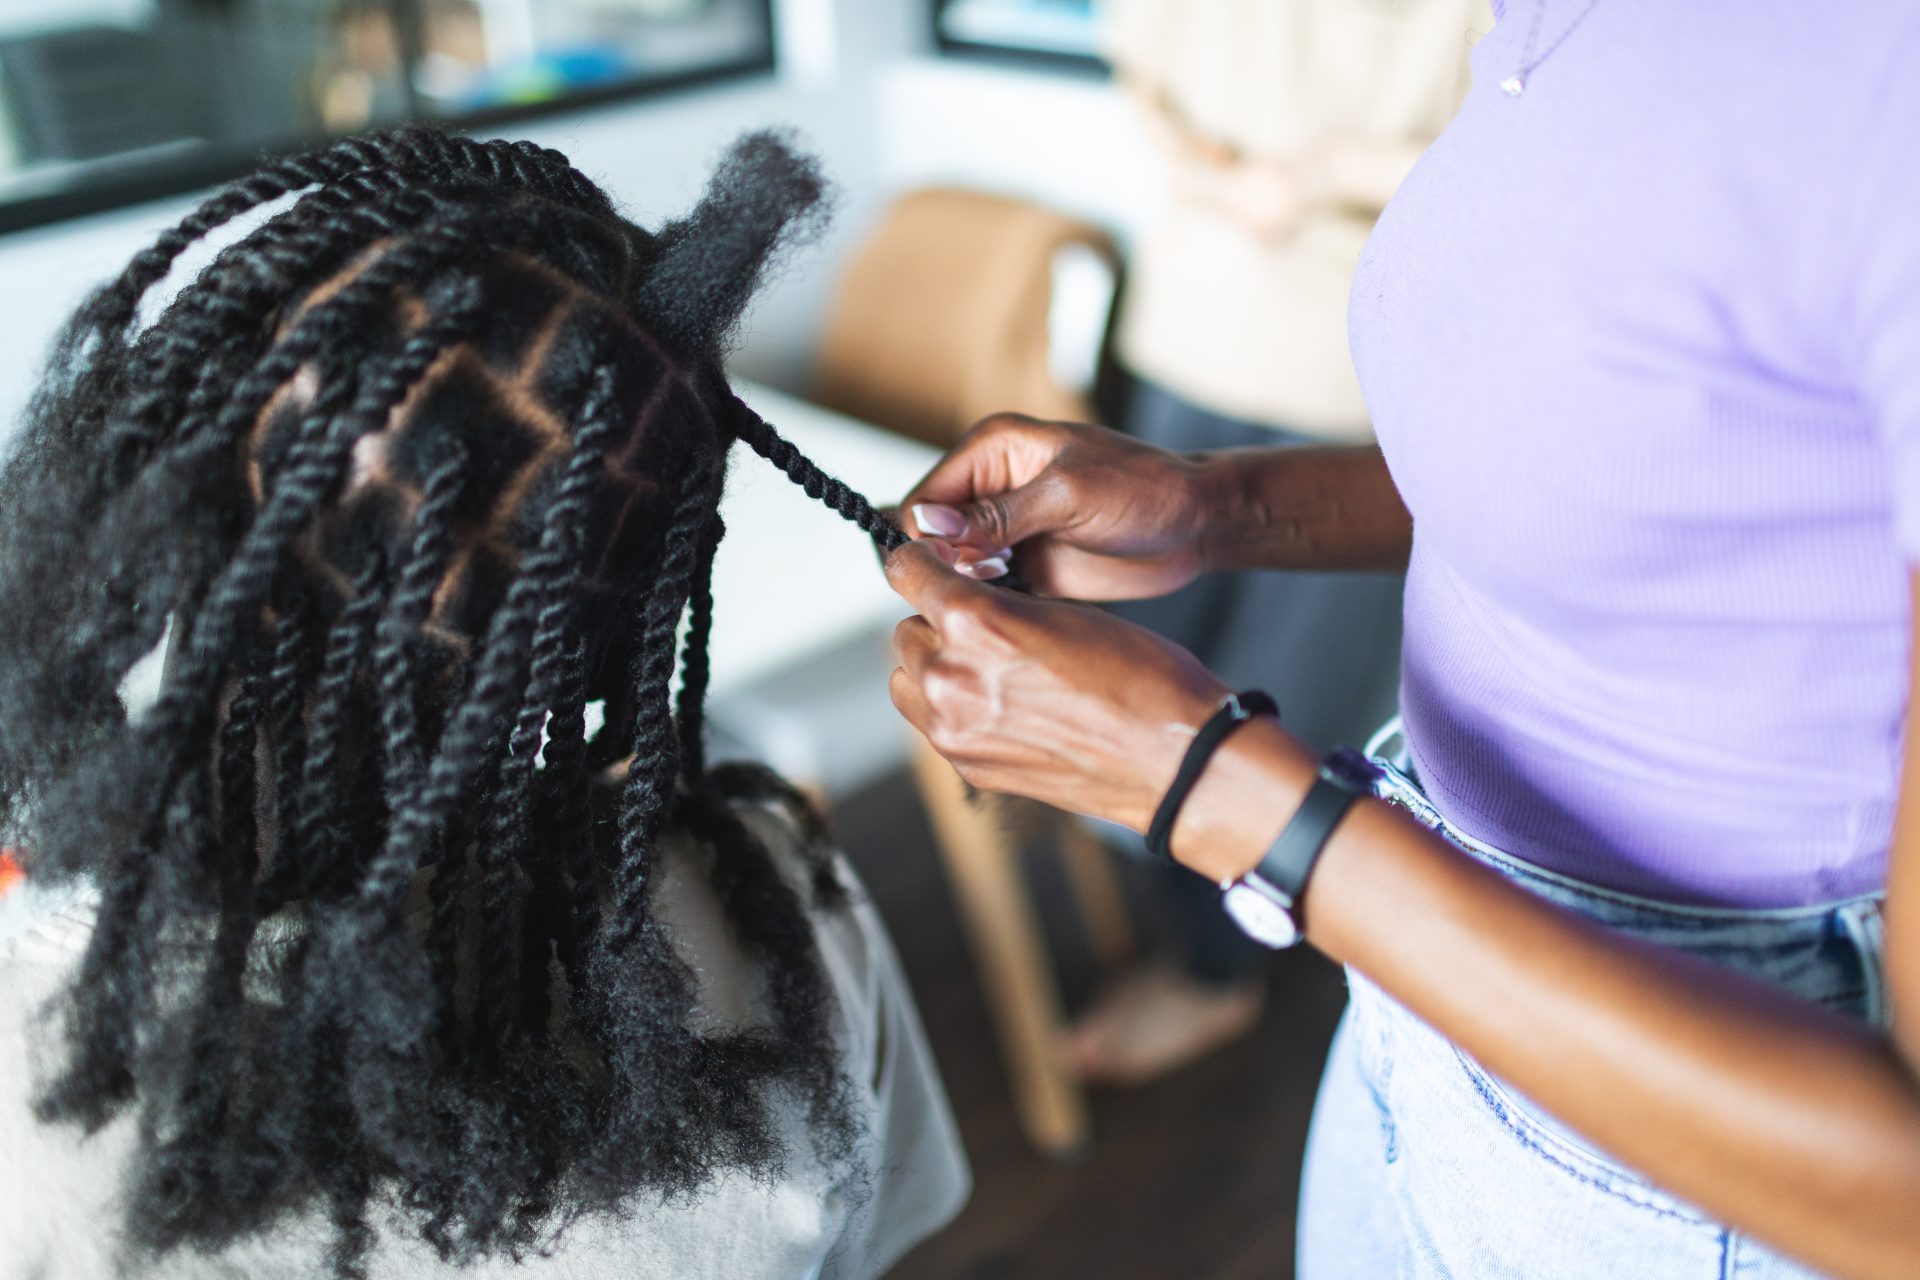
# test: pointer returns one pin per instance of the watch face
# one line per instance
(1260, 917)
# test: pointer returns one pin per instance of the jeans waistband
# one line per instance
(1829, 952)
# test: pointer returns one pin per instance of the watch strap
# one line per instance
(1289, 861)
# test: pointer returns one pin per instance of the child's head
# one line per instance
(411, 474)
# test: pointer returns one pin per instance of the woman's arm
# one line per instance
(1314, 507)
(1794, 1124)
(1791, 1122)
(1096, 515)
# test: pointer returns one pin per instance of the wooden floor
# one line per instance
(1195, 1176)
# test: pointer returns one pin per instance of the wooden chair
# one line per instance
(950, 311)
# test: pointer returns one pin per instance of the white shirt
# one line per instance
(59, 1209)
(1243, 326)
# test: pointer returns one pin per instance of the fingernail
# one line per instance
(991, 567)
(944, 550)
(941, 522)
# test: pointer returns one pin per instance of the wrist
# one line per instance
(1311, 507)
(1251, 788)
(1226, 509)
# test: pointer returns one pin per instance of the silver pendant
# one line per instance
(1514, 85)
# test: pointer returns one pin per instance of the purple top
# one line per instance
(1642, 346)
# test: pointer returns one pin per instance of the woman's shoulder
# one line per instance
(911, 1174)
(789, 842)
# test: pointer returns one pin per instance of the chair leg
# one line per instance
(1097, 887)
(995, 909)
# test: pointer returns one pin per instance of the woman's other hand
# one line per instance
(1095, 515)
(1067, 704)
(1056, 701)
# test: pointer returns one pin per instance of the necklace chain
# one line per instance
(1516, 84)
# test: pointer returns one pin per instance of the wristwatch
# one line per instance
(1264, 901)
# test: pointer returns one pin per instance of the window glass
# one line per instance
(1061, 29)
(103, 101)
(478, 55)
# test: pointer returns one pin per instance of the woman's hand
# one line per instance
(1055, 701)
(1095, 514)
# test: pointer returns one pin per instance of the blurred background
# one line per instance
(114, 112)
(1162, 248)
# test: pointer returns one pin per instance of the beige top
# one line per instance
(59, 1208)
(1255, 327)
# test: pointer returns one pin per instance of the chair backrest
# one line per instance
(946, 314)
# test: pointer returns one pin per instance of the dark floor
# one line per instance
(1195, 1176)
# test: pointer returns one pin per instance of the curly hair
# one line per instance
(406, 478)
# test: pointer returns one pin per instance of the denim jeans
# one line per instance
(1422, 1164)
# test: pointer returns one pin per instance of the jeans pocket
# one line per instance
(1373, 1044)
(1554, 1143)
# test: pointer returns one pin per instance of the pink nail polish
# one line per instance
(940, 521)
(991, 567)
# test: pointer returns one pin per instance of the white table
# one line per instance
(801, 609)
(792, 577)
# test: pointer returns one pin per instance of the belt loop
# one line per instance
(1862, 921)
(1389, 732)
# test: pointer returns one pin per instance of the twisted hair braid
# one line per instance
(319, 840)
(293, 655)
(753, 430)
(654, 766)
(696, 672)
(397, 657)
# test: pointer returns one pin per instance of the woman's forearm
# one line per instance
(1786, 1120)
(1792, 1123)
(1312, 507)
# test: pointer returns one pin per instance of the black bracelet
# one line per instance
(1235, 710)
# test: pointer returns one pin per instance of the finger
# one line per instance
(998, 454)
(1049, 504)
(909, 701)
(927, 582)
(986, 569)
(941, 548)
(914, 644)
(982, 567)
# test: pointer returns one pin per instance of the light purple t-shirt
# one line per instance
(1642, 346)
